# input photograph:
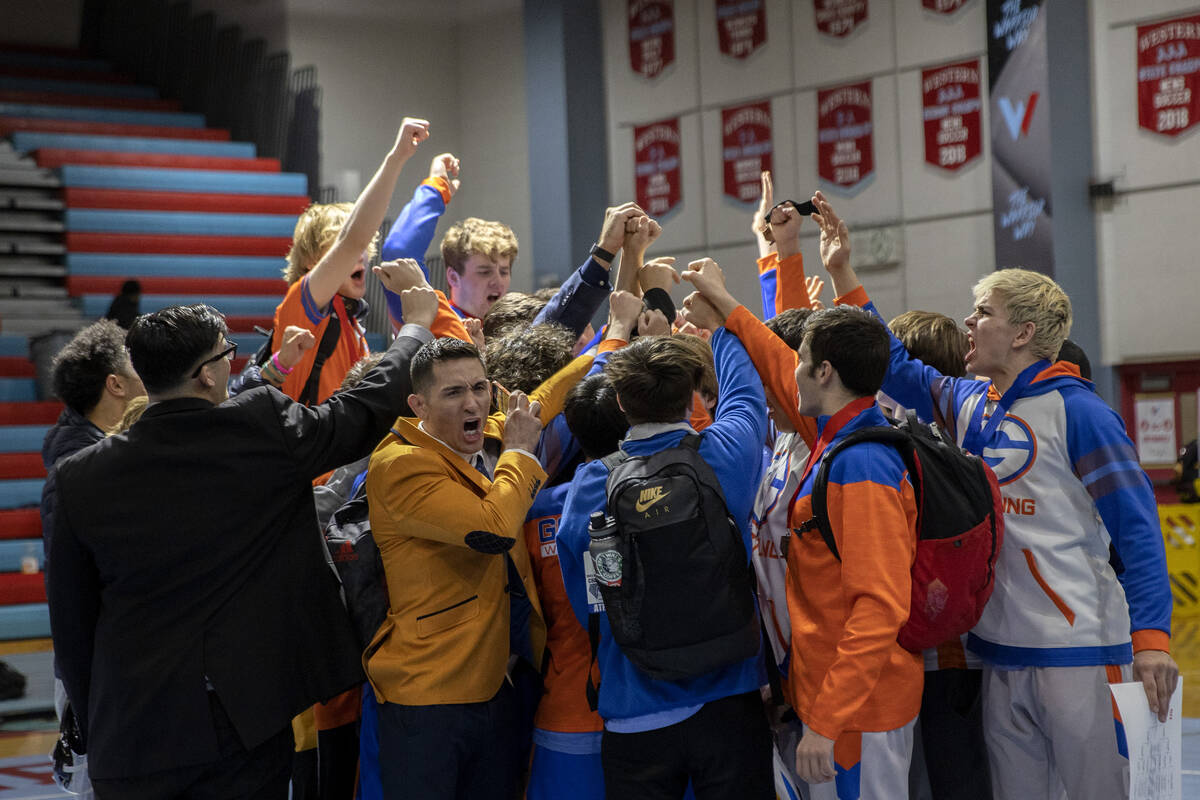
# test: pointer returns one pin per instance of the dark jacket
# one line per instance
(187, 554)
(70, 434)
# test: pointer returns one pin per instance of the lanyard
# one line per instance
(978, 434)
(835, 424)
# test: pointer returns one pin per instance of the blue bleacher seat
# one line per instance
(22, 439)
(185, 180)
(166, 266)
(173, 119)
(98, 220)
(31, 621)
(95, 305)
(20, 390)
(13, 550)
(106, 89)
(12, 344)
(20, 493)
(26, 141)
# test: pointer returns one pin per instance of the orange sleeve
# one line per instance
(610, 345)
(855, 297)
(776, 365)
(791, 291)
(1151, 639)
(442, 185)
(447, 324)
(700, 418)
(867, 520)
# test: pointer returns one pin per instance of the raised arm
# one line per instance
(580, 296)
(772, 358)
(365, 218)
(412, 233)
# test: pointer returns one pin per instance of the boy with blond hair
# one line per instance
(1061, 624)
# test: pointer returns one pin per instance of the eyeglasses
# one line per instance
(229, 353)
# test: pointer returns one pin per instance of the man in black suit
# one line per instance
(192, 610)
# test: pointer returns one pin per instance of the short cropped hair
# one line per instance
(316, 231)
(855, 344)
(437, 352)
(82, 367)
(654, 377)
(165, 346)
(594, 417)
(933, 338)
(473, 235)
(1032, 297)
(359, 370)
(521, 359)
(512, 309)
(789, 325)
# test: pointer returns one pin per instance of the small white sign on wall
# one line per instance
(1155, 419)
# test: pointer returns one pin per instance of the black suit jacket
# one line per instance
(187, 553)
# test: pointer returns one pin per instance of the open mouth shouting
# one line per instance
(473, 431)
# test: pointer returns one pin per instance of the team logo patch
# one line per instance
(649, 497)
(609, 568)
(1013, 450)
(935, 598)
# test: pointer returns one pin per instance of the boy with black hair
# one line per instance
(710, 728)
(855, 689)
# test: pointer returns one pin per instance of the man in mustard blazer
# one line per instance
(446, 512)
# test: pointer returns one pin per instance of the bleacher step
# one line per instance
(29, 177)
(10, 267)
(32, 221)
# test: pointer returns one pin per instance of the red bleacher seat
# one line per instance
(133, 200)
(16, 588)
(111, 284)
(43, 413)
(19, 367)
(51, 157)
(18, 466)
(10, 124)
(20, 523)
(88, 100)
(178, 245)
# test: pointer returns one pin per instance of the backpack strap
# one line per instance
(329, 342)
(593, 689)
(614, 458)
(820, 491)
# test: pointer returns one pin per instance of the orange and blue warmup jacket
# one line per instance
(1071, 485)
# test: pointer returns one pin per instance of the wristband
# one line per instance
(597, 250)
(275, 363)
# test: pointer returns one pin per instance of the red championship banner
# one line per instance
(839, 17)
(1168, 61)
(656, 166)
(651, 36)
(741, 26)
(845, 153)
(943, 6)
(746, 149)
(953, 114)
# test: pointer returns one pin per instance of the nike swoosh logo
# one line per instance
(639, 506)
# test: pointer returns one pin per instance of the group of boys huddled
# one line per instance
(480, 462)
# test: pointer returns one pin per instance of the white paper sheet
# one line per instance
(1155, 757)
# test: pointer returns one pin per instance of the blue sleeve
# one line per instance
(733, 442)
(933, 396)
(249, 378)
(766, 281)
(1107, 463)
(587, 494)
(578, 299)
(411, 236)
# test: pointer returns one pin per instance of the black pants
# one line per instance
(952, 735)
(724, 749)
(457, 750)
(239, 774)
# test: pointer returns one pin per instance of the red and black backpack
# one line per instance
(960, 527)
